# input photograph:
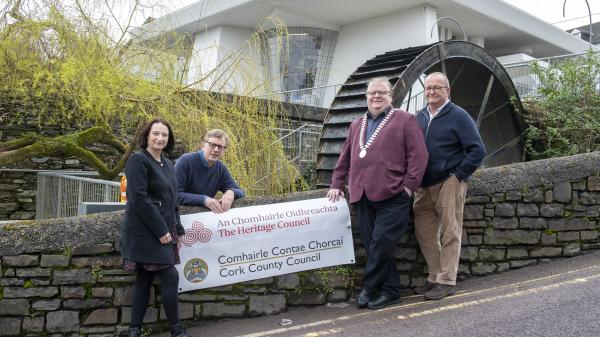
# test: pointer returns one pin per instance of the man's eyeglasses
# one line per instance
(213, 145)
(434, 89)
(378, 93)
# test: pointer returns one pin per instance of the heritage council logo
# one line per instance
(195, 270)
(196, 234)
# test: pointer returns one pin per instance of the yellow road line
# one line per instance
(496, 298)
(323, 333)
(444, 308)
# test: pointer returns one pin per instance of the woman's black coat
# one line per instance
(151, 209)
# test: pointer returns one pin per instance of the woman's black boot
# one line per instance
(134, 332)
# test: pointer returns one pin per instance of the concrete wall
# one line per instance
(212, 47)
(64, 276)
(403, 29)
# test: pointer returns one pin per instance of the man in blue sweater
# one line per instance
(200, 175)
(455, 152)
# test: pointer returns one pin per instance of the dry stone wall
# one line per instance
(17, 195)
(63, 277)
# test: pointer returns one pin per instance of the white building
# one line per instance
(329, 39)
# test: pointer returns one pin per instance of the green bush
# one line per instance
(564, 118)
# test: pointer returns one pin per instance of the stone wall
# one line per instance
(62, 277)
(17, 194)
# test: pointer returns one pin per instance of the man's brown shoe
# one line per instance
(440, 291)
(424, 288)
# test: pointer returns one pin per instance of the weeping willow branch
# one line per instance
(72, 145)
(63, 72)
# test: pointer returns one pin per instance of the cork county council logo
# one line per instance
(196, 234)
(195, 270)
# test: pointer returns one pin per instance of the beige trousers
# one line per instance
(438, 213)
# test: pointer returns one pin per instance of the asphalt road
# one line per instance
(553, 299)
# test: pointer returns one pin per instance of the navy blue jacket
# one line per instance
(151, 209)
(196, 180)
(453, 142)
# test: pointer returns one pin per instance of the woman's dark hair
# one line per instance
(143, 138)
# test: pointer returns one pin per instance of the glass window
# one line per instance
(298, 63)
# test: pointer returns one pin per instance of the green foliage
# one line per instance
(309, 173)
(146, 331)
(308, 179)
(34, 314)
(565, 119)
(60, 68)
(67, 251)
(97, 272)
(325, 275)
(88, 290)
(27, 284)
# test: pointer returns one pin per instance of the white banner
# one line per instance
(254, 242)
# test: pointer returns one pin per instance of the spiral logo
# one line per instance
(196, 234)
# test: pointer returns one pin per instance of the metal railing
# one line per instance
(301, 144)
(301, 147)
(59, 193)
(323, 97)
(316, 96)
(414, 103)
(526, 82)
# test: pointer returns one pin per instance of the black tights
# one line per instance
(169, 281)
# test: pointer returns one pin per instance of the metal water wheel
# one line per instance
(478, 83)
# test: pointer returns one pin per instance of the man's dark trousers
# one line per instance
(381, 225)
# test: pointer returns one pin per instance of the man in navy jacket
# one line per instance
(455, 152)
(200, 175)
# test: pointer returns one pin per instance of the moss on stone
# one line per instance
(27, 284)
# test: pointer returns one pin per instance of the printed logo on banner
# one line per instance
(198, 233)
(195, 270)
(263, 241)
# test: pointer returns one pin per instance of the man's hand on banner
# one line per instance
(334, 194)
(226, 200)
(213, 204)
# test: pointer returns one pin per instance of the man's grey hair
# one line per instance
(217, 133)
(380, 79)
(437, 73)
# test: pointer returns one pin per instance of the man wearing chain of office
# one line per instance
(381, 164)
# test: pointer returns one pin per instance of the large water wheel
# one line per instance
(479, 84)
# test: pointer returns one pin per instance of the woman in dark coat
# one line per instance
(151, 229)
